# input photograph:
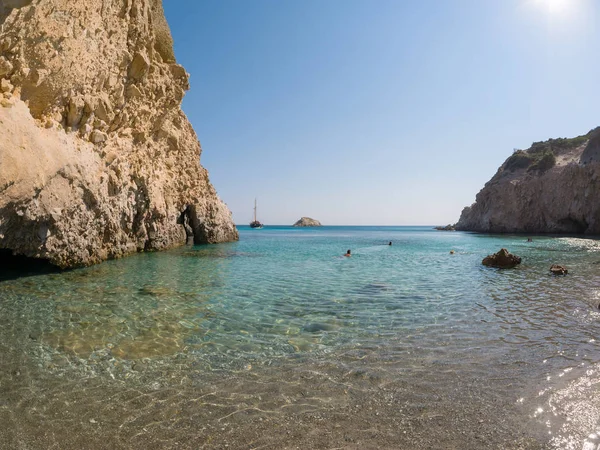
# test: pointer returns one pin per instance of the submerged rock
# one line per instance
(557, 269)
(317, 327)
(98, 160)
(307, 222)
(448, 227)
(502, 260)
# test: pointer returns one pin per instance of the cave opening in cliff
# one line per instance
(17, 266)
(572, 225)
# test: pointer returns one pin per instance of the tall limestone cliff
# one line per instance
(97, 160)
(553, 187)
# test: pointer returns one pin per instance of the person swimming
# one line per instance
(390, 243)
(348, 253)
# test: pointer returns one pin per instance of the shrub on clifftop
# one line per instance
(546, 162)
(540, 159)
(518, 160)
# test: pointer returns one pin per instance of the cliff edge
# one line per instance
(97, 160)
(552, 187)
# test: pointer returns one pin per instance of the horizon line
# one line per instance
(334, 225)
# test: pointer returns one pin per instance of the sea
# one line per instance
(279, 341)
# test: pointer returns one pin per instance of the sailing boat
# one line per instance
(255, 223)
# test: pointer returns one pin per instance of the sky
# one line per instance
(379, 112)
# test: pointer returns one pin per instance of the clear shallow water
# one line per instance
(279, 341)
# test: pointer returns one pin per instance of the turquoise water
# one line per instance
(282, 332)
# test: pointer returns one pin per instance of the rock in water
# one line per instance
(97, 160)
(307, 222)
(558, 269)
(502, 260)
(552, 187)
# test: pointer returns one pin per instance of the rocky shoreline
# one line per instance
(448, 227)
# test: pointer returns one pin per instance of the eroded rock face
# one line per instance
(502, 260)
(553, 187)
(307, 222)
(97, 160)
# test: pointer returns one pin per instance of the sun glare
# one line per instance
(556, 6)
(564, 13)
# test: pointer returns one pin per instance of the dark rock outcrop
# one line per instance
(557, 269)
(502, 260)
(553, 187)
(448, 227)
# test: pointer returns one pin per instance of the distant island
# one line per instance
(307, 222)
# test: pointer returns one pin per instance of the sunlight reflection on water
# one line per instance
(278, 310)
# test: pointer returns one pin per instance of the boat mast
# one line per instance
(255, 209)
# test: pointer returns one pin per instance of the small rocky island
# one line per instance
(307, 222)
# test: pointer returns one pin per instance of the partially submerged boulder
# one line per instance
(502, 260)
(557, 269)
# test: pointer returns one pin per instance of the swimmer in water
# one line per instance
(348, 253)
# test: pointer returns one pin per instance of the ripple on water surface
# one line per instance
(279, 328)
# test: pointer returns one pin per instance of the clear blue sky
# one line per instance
(379, 112)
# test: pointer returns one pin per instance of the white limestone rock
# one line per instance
(97, 137)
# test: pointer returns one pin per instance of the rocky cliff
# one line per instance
(553, 187)
(97, 160)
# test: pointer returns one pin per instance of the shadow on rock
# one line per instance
(13, 267)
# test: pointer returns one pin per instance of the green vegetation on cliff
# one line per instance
(541, 156)
(541, 160)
